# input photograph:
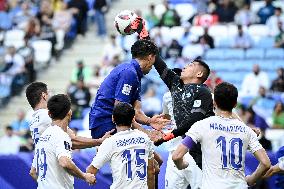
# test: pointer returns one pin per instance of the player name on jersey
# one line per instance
(130, 141)
(231, 128)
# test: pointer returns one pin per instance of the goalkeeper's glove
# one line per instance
(166, 137)
(139, 26)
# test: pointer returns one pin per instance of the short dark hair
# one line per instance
(34, 91)
(123, 114)
(225, 96)
(142, 48)
(58, 106)
(206, 69)
(8, 127)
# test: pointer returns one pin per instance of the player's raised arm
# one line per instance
(151, 174)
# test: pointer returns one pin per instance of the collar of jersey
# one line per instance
(137, 68)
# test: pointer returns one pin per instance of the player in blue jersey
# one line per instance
(123, 84)
(278, 169)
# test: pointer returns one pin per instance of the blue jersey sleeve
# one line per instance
(127, 87)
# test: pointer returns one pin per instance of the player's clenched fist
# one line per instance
(90, 178)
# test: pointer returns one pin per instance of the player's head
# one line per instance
(59, 107)
(145, 51)
(197, 72)
(225, 96)
(36, 92)
(123, 114)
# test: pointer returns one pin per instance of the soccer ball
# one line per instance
(123, 22)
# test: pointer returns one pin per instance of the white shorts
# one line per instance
(180, 179)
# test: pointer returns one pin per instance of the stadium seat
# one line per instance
(185, 11)
(166, 33)
(234, 54)
(214, 54)
(264, 42)
(176, 32)
(256, 5)
(258, 30)
(218, 30)
(197, 30)
(254, 53)
(192, 51)
(244, 65)
(222, 42)
(274, 53)
(233, 30)
(14, 38)
(42, 50)
(221, 65)
(159, 10)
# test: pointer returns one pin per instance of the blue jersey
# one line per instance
(280, 177)
(122, 84)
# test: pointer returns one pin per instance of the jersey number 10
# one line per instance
(222, 143)
(140, 163)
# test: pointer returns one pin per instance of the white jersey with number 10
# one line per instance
(224, 143)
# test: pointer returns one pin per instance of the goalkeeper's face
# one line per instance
(149, 61)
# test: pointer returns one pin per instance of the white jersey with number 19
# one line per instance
(224, 143)
(53, 144)
(128, 153)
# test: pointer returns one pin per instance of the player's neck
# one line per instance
(224, 114)
(61, 123)
(41, 105)
(122, 128)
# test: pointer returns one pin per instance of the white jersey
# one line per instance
(39, 123)
(171, 145)
(224, 143)
(128, 153)
(53, 144)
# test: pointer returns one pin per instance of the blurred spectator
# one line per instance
(263, 106)
(57, 5)
(20, 125)
(112, 49)
(151, 104)
(266, 144)
(278, 116)
(151, 18)
(278, 83)
(80, 98)
(242, 40)
(33, 29)
(28, 143)
(5, 18)
(3, 5)
(79, 9)
(61, 23)
(272, 22)
(279, 39)
(9, 143)
(206, 39)
(213, 80)
(187, 37)
(265, 12)
(252, 82)
(27, 52)
(101, 8)
(226, 11)
(22, 17)
(81, 72)
(205, 20)
(174, 50)
(245, 16)
(170, 17)
(14, 63)
(45, 17)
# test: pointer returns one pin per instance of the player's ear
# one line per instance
(214, 104)
(200, 74)
(49, 114)
(133, 120)
(112, 119)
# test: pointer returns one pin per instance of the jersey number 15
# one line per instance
(139, 162)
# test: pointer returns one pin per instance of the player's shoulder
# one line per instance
(56, 132)
(140, 133)
(167, 95)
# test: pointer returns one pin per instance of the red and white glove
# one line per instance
(139, 26)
